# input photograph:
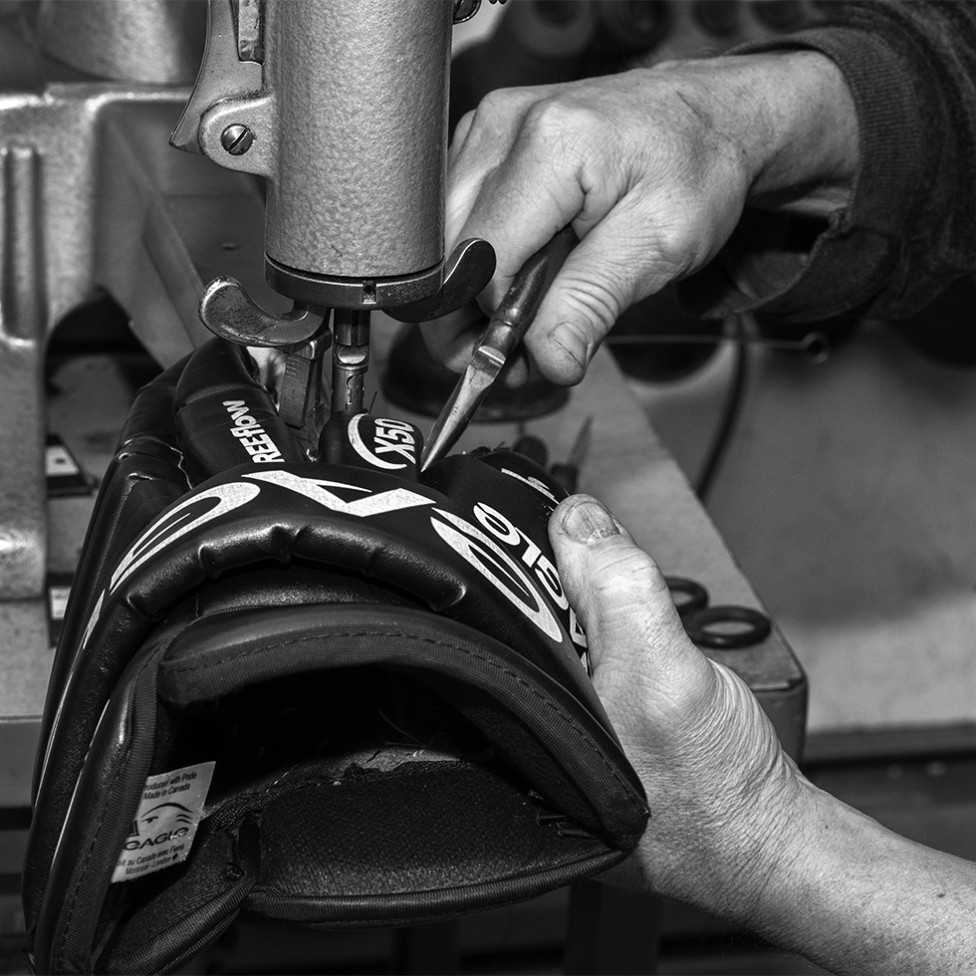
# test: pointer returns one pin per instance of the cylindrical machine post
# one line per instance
(350, 360)
(360, 128)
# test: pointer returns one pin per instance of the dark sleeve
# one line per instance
(910, 227)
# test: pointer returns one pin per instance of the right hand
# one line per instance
(651, 167)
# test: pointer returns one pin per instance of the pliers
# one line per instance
(505, 330)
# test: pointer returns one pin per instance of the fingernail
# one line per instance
(586, 520)
(574, 341)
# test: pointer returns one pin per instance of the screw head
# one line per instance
(237, 139)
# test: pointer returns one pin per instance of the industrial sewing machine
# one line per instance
(95, 201)
(355, 188)
(328, 122)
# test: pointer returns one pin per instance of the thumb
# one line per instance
(639, 653)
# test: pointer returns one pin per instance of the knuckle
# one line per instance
(678, 252)
(495, 108)
(555, 120)
(629, 572)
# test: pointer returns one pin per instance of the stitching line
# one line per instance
(150, 660)
(534, 692)
(84, 868)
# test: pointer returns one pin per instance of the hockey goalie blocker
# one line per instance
(334, 692)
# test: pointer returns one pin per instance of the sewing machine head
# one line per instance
(342, 108)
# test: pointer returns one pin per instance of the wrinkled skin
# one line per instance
(652, 168)
(735, 828)
(702, 746)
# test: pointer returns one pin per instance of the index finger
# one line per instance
(517, 205)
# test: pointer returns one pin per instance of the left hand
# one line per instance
(722, 792)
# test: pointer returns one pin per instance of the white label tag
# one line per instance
(166, 822)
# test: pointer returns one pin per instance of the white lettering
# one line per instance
(397, 437)
(189, 514)
(498, 568)
(502, 528)
(254, 438)
(395, 500)
(382, 425)
(497, 524)
(532, 556)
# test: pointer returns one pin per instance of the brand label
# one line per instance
(253, 437)
(165, 823)
(532, 558)
(387, 444)
(498, 568)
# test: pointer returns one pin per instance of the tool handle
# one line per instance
(518, 308)
(503, 333)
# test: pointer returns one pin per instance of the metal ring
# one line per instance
(694, 596)
(757, 627)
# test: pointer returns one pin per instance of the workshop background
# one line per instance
(832, 461)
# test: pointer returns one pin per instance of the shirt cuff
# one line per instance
(802, 270)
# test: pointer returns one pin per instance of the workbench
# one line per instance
(847, 496)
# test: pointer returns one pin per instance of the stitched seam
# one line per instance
(101, 820)
(551, 705)
(84, 869)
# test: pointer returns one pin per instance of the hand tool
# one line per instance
(505, 330)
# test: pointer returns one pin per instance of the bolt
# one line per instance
(237, 139)
(465, 10)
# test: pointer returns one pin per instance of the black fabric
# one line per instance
(910, 228)
(382, 669)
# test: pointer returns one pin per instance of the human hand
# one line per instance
(721, 790)
(735, 828)
(651, 167)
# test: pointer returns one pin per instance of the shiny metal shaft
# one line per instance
(350, 359)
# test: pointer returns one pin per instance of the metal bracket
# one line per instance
(466, 273)
(229, 312)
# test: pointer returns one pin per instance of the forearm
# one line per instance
(791, 118)
(734, 827)
(909, 227)
(813, 152)
(774, 854)
(857, 898)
